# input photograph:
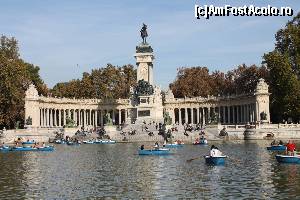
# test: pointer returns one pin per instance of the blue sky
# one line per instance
(69, 37)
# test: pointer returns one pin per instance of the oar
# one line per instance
(190, 160)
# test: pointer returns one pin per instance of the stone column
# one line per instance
(96, 118)
(180, 120)
(119, 116)
(224, 118)
(54, 117)
(113, 116)
(90, 117)
(203, 115)
(243, 113)
(247, 113)
(79, 117)
(233, 113)
(51, 117)
(64, 117)
(101, 118)
(198, 115)
(186, 115)
(84, 117)
(228, 114)
(59, 118)
(192, 115)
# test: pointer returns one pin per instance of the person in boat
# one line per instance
(156, 146)
(290, 148)
(273, 142)
(3, 145)
(142, 147)
(214, 151)
(280, 142)
(43, 145)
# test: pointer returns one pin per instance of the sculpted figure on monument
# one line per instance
(108, 119)
(143, 88)
(144, 33)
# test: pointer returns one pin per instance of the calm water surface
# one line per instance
(117, 172)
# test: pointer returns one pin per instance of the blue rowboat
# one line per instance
(5, 149)
(88, 142)
(154, 152)
(218, 160)
(173, 145)
(288, 159)
(105, 142)
(201, 142)
(23, 149)
(59, 142)
(28, 142)
(73, 143)
(276, 148)
(46, 148)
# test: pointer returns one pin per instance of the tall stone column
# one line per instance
(96, 118)
(101, 118)
(228, 114)
(192, 115)
(203, 115)
(59, 118)
(119, 116)
(243, 113)
(179, 113)
(79, 117)
(43, 117)
(51, 117)
(186, 115)
(75, 116)
(84, 118)
(247, 113)
(54, 117)
(233, 115)
(90, 117)
(198, 115)
(64, 117)
(113, 116)
(224, 114)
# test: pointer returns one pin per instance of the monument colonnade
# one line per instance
(236, 110)
(56, 112)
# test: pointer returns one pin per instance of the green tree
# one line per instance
(283, 64)
(15, 76)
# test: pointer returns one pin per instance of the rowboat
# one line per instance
(161, 151)
(174, 145)
(73, 143)
(288, 159)
(28, 142)
(46, 148)
(59, 142)
(5, 149)
(105, 142)
(276, 148)
(201, 142)
(216, 160)
(88, 142)
(28, 148)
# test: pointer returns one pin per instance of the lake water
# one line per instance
(117, 172)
